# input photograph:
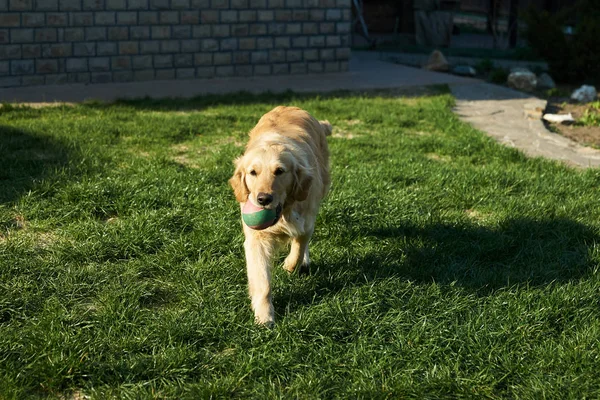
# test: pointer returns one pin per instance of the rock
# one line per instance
(545, 81)
(437, 62)
(522, 80)
(464, 70)
(585, 94)
(534, 109)
(561, 118)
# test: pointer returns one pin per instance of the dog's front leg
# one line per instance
(258, 266)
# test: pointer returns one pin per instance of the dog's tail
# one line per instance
(327, 128)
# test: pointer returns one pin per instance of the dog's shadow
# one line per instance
(481, 260)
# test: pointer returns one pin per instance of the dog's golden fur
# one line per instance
(286, 158)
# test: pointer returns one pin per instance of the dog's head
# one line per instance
(271, 176)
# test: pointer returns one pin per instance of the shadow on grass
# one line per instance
(481, 260)
(247, 98)
(25, 158)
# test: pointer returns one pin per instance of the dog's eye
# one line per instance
(253, 173)
(279, 171)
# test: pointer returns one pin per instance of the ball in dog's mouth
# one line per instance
(260, 218)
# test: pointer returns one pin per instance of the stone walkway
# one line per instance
(498, 111)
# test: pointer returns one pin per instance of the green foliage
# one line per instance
(499, 75)
(591, 116)
(485, 65)
(444, 264)
(571, 59)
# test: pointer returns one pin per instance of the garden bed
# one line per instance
(586, 131)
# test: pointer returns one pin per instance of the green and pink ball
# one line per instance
(259, 218)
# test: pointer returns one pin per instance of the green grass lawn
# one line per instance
(444, 265)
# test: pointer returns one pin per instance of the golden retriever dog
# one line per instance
(284, 168)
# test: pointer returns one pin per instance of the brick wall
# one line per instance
(98, 41)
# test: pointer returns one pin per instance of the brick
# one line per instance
(148, 17)
(46, 66)
(346, 14)
(300, 41)
(97, 64)
(343, 3)
(139, 32)
(190, 46)
(237, 4)
(224, 71)
(200, 4)
(105, 18)
(137, 4)
(169, 46)
(203, 59)
(343, 27)
(82, 18)
(168, 17)
(265, 16)
(69, 5)
(20, 5)
(165, 74)
(293, 55)
(128, 48)
(118, 33)
(201, 31)
(33, 80)
(183, 60)
(342, 53)
(56, 79)
(247, 16)
(344, 66)
(327, 54)
(106, 48)
(161, 32)
(120, 63)
(219, 3)
(264, 43)
(327, 27)
(283, 15)
(163, 61)
(21, 35)
(101, 77)
(277, 56)
(116, 4)
(293, 29)
(222, 58)
(84, 49)
(123, 76)
(180, 4)
(247, 44)
(257, 57)
(240, 30)
(296, 4)
(241, 57)
(10, 20)
(149, 46)
(33, 19)
(4, 68)
(333, 15)
(229, 44)
(229, 16)
(160, 4)
(10, 81)
(282, 42)
(298, 68)
(76, 64)
(311, 55)
(127, 18)
(316, 15)
(95, 34)
(258, 29)
(4, 36)
(45, 35)
(46, 5)
(243, 70)
(143, 75)
(220, 31)
(182, 32)
(141, 62)
(93, 5)
(74, 34)
(276, 29)
(310, 28)
(190, 17)
(300, 15)
(209, 45)
(262, 70)
(31, 51)
(57, 50)
(258, 3)
(315, 67)
(22, 67)
(276, 3)
(205, 72)
(57, 19)
(333, 41)
(316, 41)
(209, 16)
(332, 66)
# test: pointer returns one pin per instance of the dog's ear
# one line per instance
(302, 181)
(238, 183)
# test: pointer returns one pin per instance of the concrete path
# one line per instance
(513, 118)
(492, 109)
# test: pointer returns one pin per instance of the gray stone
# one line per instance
(437, 62)
(585, 94)
(464, 70)
(522, 80)
(545, 81)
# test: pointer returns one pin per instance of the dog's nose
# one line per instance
(264, 199)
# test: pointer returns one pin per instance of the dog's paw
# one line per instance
(304, 269)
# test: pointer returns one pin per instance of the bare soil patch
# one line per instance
(585, 135)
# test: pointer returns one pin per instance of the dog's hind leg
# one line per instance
(258, 265)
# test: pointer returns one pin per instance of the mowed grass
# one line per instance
(444, 265)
